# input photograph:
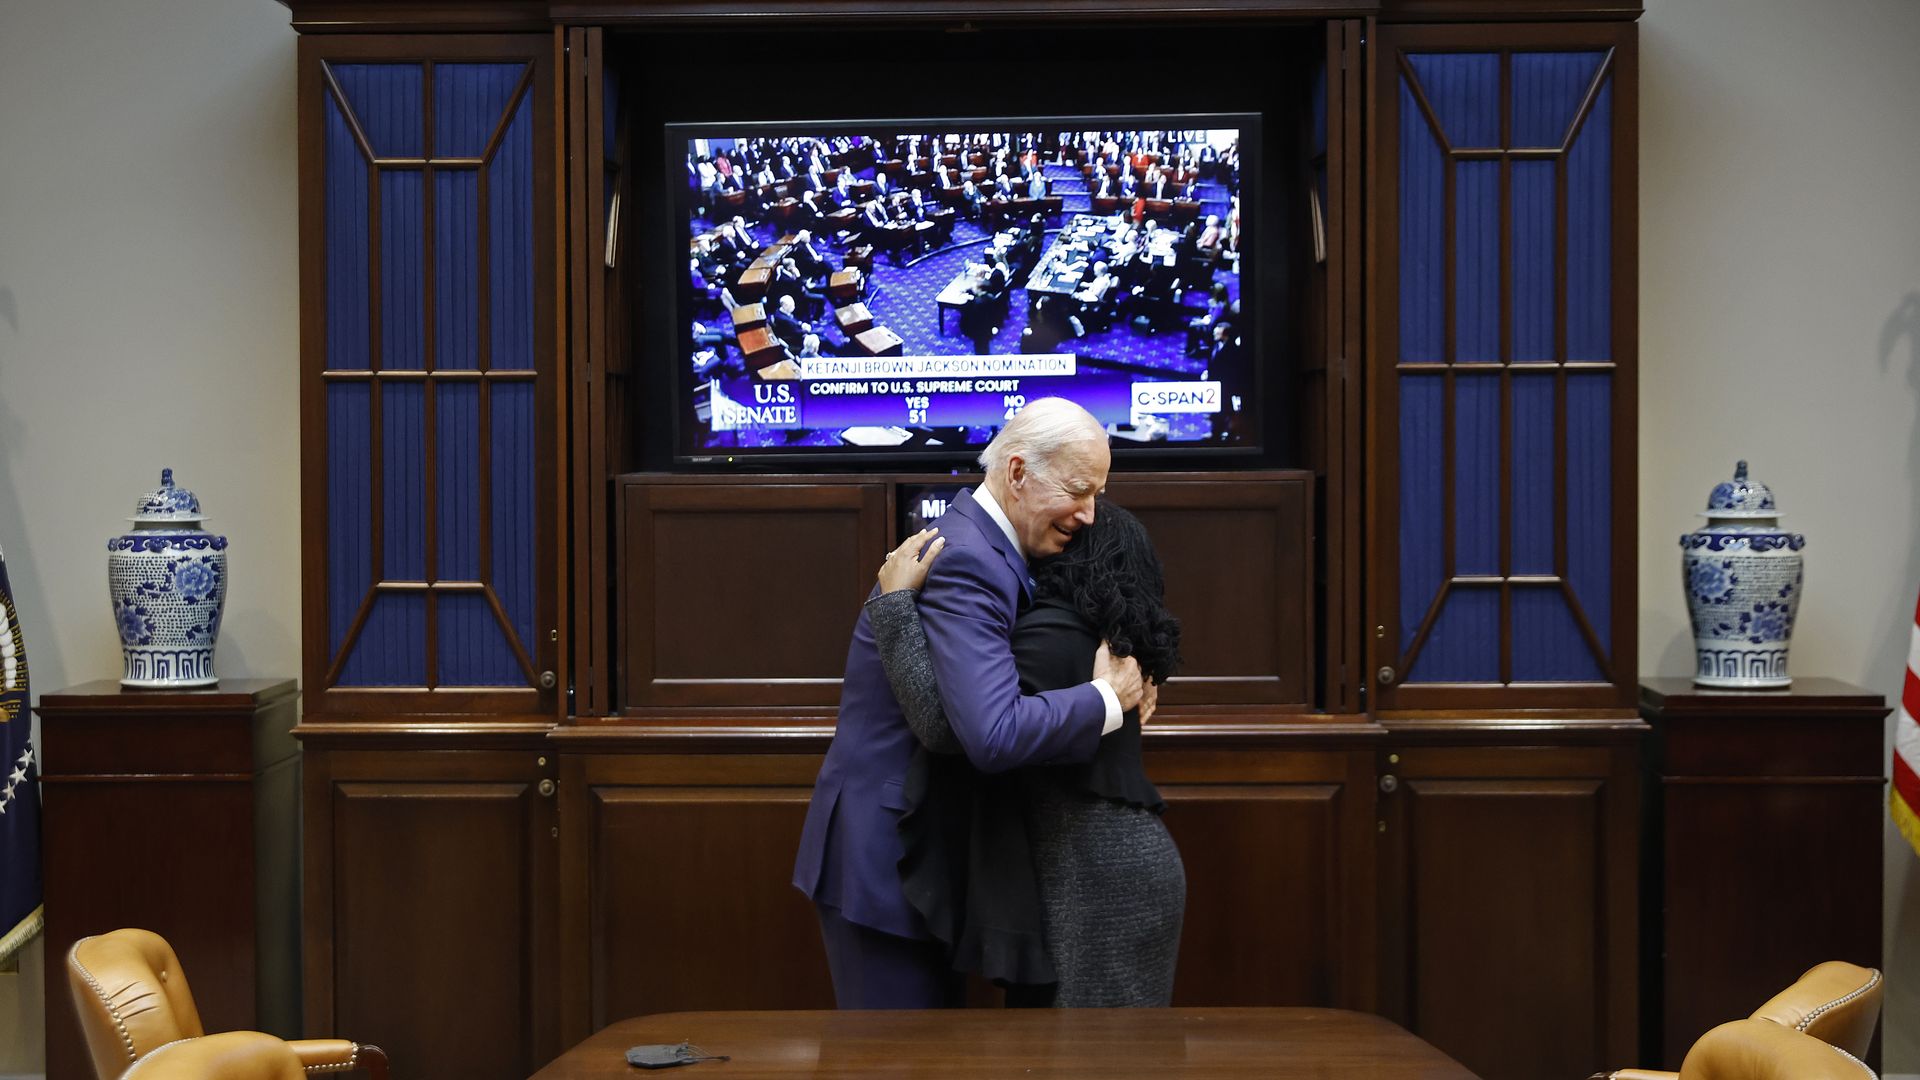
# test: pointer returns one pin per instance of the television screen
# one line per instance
(904, 287)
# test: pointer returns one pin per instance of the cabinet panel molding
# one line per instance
(428, 363)
(425, 871)
(1503, 355)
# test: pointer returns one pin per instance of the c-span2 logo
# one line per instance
(1176, 397)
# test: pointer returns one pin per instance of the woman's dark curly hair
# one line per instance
(1111, 575)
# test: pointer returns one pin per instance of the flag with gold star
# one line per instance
(19, 790)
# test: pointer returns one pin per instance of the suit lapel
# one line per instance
(970, 507)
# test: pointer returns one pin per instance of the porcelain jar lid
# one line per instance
(1740, 498)
(168, 503)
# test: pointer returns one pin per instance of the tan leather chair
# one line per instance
(132, 998)
(230, 1055)
(1836, 1003)
(1763, 1050)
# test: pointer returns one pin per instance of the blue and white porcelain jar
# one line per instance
(1743, 577)
(168, 579)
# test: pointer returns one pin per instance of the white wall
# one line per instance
(1780, 322)
(148, 317)
(148, 300)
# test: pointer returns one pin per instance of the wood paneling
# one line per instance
(709, 562)
(171, 811)
(692, 905)
(430, 914)
(678, 893)
(714, 626)
(1278, 863)
(1508, 898)
(1238, 556)
(1772, 806)
(744, 593)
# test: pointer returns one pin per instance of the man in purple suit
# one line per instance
(1042, 472)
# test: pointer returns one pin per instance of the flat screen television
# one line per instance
(898, 289)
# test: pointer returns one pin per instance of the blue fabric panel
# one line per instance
(1465, 644)
(385, 98)
(392, 648)
(1547, 646)
(515, 496)
(609, 111)
(348, 339)
(456, 270)
(349, 514)
(403, 502)
(1476, 474)
(1422, 517)
(1589, 484)
(1547, 91)
(1533, 479)
(473, 648)
(510, 234)
(1590, 235)
(1422, 237)
(1533, 265)
(1476, 262)
(403, 281)
(456, 430)
(469, 101)
(1464, 90)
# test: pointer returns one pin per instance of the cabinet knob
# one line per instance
(1389, 783)
(548, 680)
(1386, 675)
(546, 788)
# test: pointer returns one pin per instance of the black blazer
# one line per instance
(789, 329)
(1053, 647)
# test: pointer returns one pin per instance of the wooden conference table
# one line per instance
(1205, 1044)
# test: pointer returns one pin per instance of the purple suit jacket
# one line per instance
(850, 846)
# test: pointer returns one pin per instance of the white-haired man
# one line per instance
(1043, 471)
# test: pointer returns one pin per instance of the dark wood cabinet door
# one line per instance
(677, 891)
(742, 592)
(1278, 852)
(429, 475)
(1508, 901)
(1769, 815)
(1502, 361)
(430, 888)
(1238, 553)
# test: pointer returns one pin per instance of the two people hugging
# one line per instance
(983, 806)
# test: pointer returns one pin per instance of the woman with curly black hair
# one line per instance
(1053, 874)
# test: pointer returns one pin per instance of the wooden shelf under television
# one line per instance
(737, 592)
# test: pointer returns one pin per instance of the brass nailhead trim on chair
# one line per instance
(353, 1060)
(1806, 1023)
(113, 1012)
(163, 1046)
(1855, 1060)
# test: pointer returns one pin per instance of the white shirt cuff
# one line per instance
(1112, 699)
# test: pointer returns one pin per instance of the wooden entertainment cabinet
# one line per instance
(556, 764)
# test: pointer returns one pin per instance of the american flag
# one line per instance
(19, 790)
(1905, 798)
